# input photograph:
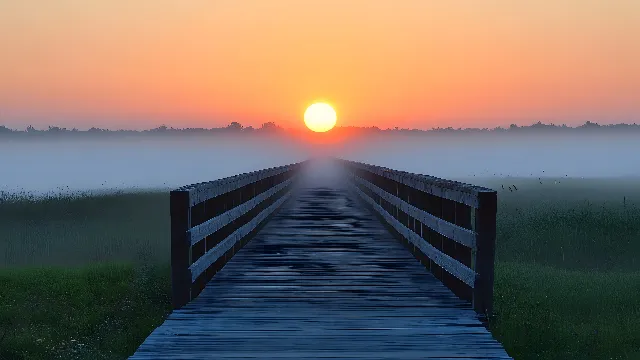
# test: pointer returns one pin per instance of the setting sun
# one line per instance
(320, 117)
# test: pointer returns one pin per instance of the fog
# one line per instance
(487, 155)
(38, 166)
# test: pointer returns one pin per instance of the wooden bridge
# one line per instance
(330, 259)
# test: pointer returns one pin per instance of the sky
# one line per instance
(386, 63)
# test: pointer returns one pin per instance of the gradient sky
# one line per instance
(406, 63)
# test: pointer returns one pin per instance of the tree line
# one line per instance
(272, 127)
(232, 127)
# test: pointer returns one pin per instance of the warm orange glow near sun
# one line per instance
(320, 117)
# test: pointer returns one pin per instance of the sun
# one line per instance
(320, 117)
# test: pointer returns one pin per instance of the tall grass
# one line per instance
(548, 313)
(94, 271)
(567, 272)
(78, 230)
(589, 224)
(82, 277)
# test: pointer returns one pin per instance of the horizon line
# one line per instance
(272, 126)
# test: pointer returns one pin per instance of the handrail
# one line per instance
(447, 189)
(454, 232)
(199, 232)
(434, 217)
(211, 221)
(206, 190)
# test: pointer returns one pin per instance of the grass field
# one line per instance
(88, 278)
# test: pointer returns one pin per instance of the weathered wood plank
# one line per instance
(200, 265)
(199, 232)
(465, 274)
(485, 254)
(204, 191)
(180, 253)
(447, 189)
(464, 254)
(454, 232)
(355, 294)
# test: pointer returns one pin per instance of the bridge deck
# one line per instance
(323, 279)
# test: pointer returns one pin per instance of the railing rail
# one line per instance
(449, 226)
(211, 221)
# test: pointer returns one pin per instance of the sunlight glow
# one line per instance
(320, 117)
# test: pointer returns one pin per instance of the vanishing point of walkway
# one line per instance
(323, 279)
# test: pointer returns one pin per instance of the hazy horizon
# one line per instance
(41, 166)
(535, 125)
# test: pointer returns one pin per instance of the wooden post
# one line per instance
(463, 253)
(485, 219)
(180, 249)
(449, 247)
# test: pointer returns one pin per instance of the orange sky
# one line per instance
(406, 63)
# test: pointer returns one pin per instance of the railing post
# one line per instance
(180, 249)
(485, 227)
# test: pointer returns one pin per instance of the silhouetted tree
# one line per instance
(161, 128)
(56, 129)
(589, 124)
(269, 126)
(235, 126)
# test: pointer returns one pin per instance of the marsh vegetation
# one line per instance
(88, 277)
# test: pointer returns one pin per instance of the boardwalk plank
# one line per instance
(323, 279)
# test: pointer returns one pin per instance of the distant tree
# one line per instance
(589, 124)
(234, 126)
(269, 126)
(56, 129)
(161, 128)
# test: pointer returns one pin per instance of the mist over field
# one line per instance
(39, 166)
(469, 156)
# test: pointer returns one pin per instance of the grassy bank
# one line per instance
(548, 313)
(567, 276)
(90, 312)
(126, 227)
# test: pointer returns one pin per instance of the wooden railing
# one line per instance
(211, 221)
(435, 220)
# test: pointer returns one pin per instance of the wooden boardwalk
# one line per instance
(323, 279)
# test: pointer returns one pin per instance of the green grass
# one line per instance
(572, 226)
(567, 273)
(91, 312)
(567, 276)
(82, 277)
(547, 313)
(85, 230)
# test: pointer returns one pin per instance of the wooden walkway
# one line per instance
(323, 279)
